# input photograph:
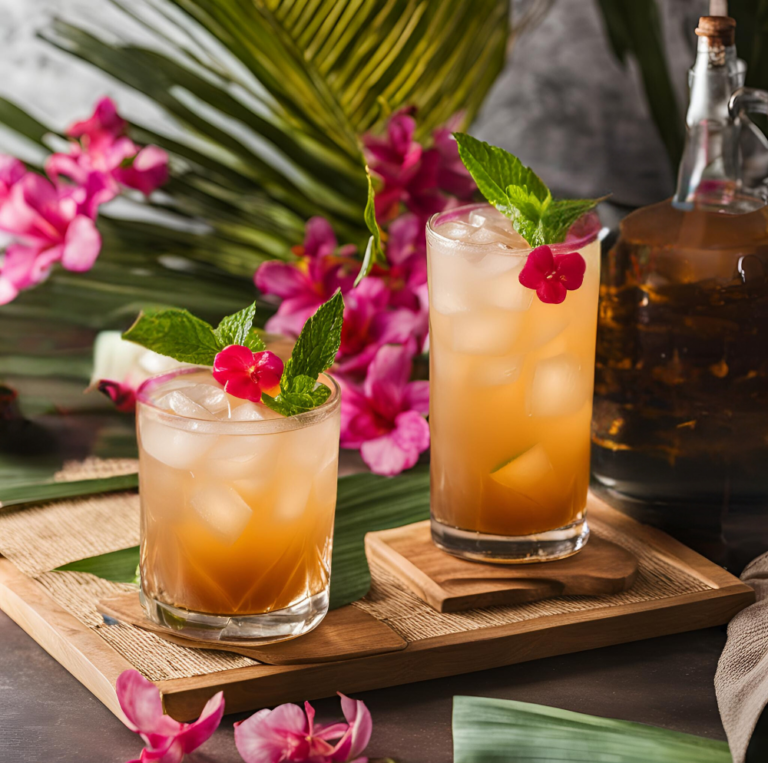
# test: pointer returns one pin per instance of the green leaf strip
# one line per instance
(505, 731)
(18, 495)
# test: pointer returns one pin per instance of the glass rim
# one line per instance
(227, 426)
(588, 228)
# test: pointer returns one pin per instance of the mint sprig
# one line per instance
(519, 193)
(314, 352)
(180, 335)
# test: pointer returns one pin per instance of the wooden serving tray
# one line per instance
(465, 642)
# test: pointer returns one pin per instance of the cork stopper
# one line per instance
(720, 30)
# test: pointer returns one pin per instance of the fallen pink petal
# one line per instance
(167, 740)
(289, 734)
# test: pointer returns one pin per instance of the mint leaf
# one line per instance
(564, 213)
(177, 334)
(235, 329)
(519, 193)
(494, 170)
(319, 341)
(314, 352)
(306, 394)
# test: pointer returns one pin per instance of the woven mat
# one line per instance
(39, 539)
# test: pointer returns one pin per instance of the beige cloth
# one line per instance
(741, 681)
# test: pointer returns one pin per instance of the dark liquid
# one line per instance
(681, 390)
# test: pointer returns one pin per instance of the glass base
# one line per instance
(266, 628)
(504, 549)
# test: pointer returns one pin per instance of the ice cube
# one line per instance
(177, 448)
(291, 498)
(448, 276)
(560, 386)
(496, 262)
(212, 398)
(457, 231)
(313, 447)
(506, 291)
(241, 456)
(178, 402)
(488, 216)
(546, 327)
(498, 371)
(485, 332)
(249, 411)
(489, 234)
(223, 511)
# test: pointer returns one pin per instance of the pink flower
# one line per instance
(122, 395)
(289, 735)
(552, 276)
(413, 176)
(246, 374)
(11, 171)
(104, 149)
(369, 325)
(452, 176)
(54, 225)
(167, 740)
(384, 417)
(407, 255)
(306, 285)
(104, 124)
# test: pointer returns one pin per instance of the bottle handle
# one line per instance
(745, 101)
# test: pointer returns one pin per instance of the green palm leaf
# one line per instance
(260, 105)
(498, 730)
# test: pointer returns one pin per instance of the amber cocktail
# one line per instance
(237, 509)
(511, 381)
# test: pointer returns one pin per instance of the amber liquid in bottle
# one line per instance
(680, 427)
(681, 409)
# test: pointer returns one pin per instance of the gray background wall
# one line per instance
(563, 103)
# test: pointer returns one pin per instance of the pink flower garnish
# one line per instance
(384, 417)
(167, 740)
(552, 275)
(289, 735)
(247, 374)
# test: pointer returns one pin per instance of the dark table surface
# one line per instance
(46, 716)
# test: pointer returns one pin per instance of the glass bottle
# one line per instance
(680, 427)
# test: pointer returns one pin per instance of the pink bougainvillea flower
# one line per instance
(407, 256)
(384, 418)
(11, 171)
(167, 740)
(425, 181)
(104, 124)
(305, 285)
(104, 149)
(146, 171)
(122, 395)
(288, 734)
(552, 275)
(247, 374)
(53, 225)
(369, 325)
(452, 176)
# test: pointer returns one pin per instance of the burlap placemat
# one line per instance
(41, 538)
